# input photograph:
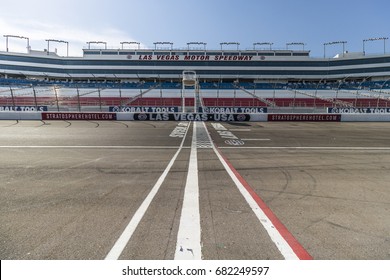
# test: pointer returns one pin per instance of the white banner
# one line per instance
(196, 57)
(213, 270)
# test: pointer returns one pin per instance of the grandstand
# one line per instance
(76, 96)
(279, 80)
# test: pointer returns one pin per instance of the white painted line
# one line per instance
(188, 245)
(240, 129)
(310, 148)
(179, 130)
(218, 126)
(282, 245)
(187, 147)
(255, 139)
(87, 147)
(122, 241)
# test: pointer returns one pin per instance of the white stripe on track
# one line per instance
(188, 245)
(185, 147)
(122, 241)
(255, 139)
(308, 148)
(87, 147)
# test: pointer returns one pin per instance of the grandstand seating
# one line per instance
(229, 102)
(73, 95)
(203, 85)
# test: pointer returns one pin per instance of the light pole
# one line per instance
(97, 42)
(196, 43)
(230, 43)
(58, 41)
(375, 39)
(162, 43)
(296, 44)
(262, 43)
(19, 37)
(334, 43)
(131, 43)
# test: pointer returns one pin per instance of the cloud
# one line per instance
(39, 31)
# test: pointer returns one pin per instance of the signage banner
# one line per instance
(79, 116)
(304, 117)
(23, 108)
(233, 110)
(192, 117)
(143, 109)
(192, 57)
(359, 110)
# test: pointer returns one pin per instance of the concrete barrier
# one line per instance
(125, 116)
(365, 117)
(20, 116)
(263, 117)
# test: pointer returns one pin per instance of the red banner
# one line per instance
(304, 117)
(79, 116)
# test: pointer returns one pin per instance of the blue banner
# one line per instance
(233, 110)
(23, 108)
(144, 109)
(359, 110)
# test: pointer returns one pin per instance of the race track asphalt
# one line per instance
(68, 190)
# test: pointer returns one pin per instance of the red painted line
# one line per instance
(298, 249)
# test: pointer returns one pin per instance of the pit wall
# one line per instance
(20, 116)
(124, 116)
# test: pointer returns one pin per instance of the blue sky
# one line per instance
(213, 21)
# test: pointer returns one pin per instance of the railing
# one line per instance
(63, 99)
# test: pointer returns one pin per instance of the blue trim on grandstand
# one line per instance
(88, 66)
(267, 63)
(176, 73)
(203, 85)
